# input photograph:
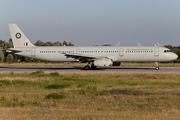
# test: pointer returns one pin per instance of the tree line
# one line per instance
(41, 43)
(6, 57)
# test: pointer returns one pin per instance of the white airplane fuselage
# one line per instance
(116, 53)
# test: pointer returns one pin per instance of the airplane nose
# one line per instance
(172, 56)
(175, 56)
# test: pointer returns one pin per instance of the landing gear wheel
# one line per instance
(93, 67)
(87, 67)
(157, 68)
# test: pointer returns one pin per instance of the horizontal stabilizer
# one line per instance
(13, 50)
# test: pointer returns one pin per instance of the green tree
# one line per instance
(57, 43)
(6, 45)
(10, 43)
(106, 45)
(65, 43)
(48, 44)
(70, 44)
(178, 53)
(2, 43)
(170, 47)
(39, 43)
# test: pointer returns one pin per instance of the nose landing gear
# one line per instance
(157, 67)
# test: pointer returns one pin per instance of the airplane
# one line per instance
(94, 56)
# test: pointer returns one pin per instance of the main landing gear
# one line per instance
(87, 67)
(93, 67)
(157, 67)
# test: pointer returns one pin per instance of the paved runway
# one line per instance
(80, 70)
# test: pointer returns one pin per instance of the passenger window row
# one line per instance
(79, 51)
(139, 51)
(47, 51)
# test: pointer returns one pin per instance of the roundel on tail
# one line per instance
(18, 35)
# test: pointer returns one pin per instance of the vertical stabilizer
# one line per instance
(18, 37)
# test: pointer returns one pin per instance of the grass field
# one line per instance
(75, 64)
(89, 96)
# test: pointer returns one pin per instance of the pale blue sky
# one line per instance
(94, 22)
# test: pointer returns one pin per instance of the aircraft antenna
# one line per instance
(118, 43)
(159, 44)
(139, 44)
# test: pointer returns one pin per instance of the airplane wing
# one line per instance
(82, 57)
(9, 50)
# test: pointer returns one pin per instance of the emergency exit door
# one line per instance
(78, 50)
(33, 53)
(121, 52)
(156, 51)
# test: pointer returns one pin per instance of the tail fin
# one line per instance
(18, 37)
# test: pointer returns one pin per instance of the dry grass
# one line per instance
(90, 96)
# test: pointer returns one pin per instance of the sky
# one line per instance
(94, 22)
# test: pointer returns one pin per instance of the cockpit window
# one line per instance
(165, 51)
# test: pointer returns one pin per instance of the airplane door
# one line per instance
(156, 51)
(33, 53)
(121, 52)
(78, 50)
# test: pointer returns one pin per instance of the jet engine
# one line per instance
(116, 63)
(103, 62)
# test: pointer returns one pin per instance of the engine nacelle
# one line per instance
(103, 62)
(116, 63)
